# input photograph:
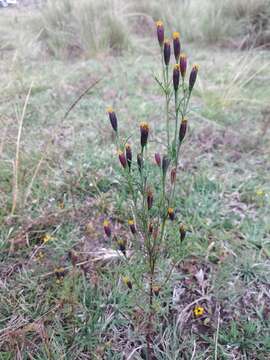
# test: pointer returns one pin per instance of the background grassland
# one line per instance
(68, 180)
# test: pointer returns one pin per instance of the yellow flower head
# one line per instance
(196, 67)
(127, 146)
(130, 222)
(156, 289)
(167, 41)
(176, 35)
(176, 67)
(40, 256)
(170, 211)
(182, 227)
(198, 311)
(59, 270)
(110, 110)
(46, 238)
(120, 152)
(144, 125)
(260, 192)
(159, 23)
(61, 205)
(106, 223)
(127, 282)
(183, 56)
(122, 244)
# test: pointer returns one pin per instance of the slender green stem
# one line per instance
(165, 73)
(176, 117)
(167, 107)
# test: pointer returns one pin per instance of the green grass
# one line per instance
(223, 197)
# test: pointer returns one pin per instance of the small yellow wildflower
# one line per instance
(260, 192)
(46, 238)
(40, 256)
(198, 311)
(61, 205)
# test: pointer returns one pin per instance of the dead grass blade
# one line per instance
(16, 163)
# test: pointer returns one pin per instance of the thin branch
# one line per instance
(90, 87)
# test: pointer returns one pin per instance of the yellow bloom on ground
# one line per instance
(40, 256)
(61, 205)
(46, 238)
(260, 192)
(198, 311)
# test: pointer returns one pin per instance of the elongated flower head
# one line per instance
(193, 77)
(167, 52)
(107, 228)
(182, 231)
(122, 159)
(160, 32)
(132, 226)
(122, 245)
(60, 272)
(140, 162)
(156, 290)
(176, 76)
(183, 129)
(173, 175)
(158, 159)
(127, 282)
(165, 164)
(183, 65)
(150, 228)
(128, 155)
(150, 199)
(144, 127)
(113, 118)
(176, 45)
(171, 214)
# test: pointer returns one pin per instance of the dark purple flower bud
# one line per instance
(176, 45)
(173, 175)
(150, 199)
(182, 231)
(158, 159)
(144, 127)
(165, 164)
(176, 77)
(183, 65)
(140, 162)
(122, 159)
(193, 77)
(183, 129)
(167, 52)
(160, 32)
(128, 155)
(171, 214)
(132, 226)
(107, 228)
(113, 118)
(150, 228)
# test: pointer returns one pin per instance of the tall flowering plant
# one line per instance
(152, 205)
